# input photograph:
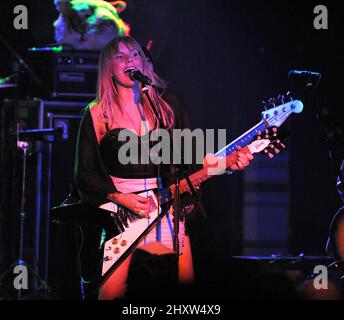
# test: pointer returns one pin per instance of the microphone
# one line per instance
(139, 76)
(304, 73)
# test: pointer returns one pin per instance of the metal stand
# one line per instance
(178, 173)
(333, 146)
(23, 145)
(19, 62)
(176, 202)
(157, 115)
(176, 213)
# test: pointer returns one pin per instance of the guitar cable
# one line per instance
(79, 267)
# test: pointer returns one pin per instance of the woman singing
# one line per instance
(100, 175)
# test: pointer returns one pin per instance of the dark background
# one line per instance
(225, 57)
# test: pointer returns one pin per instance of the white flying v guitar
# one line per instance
(133, 229)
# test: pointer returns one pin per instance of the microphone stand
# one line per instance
(23, 145)
(177, 174)
(310, 87)
(176, 202)
(176, 212)
(20, 60)
(331, 140)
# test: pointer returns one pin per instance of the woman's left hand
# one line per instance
(242, 161)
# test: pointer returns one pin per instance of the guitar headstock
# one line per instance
(267, 142)
(278, 109)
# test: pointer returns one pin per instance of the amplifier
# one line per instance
(70, 74)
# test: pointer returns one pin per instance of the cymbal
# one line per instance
(7, 85)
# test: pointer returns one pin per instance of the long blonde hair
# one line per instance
(107, 95)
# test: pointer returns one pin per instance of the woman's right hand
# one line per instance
(134, 202)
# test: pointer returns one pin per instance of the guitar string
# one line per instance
(271, 120)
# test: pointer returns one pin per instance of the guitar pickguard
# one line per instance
(116, 247)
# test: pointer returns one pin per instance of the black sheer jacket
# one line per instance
(92, 178)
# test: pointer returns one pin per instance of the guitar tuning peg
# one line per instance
(272, 102)
(270, 155)
(266, 133)
(280, 99)
(277, 151)
(279, 142)
(288, 95)
(263, 104)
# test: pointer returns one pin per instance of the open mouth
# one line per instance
(129, 69)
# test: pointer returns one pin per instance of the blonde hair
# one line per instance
(107, 95)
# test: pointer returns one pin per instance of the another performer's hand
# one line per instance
(135, 203)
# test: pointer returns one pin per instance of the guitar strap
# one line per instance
(194, 194)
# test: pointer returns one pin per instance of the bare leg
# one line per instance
(185, 264)
(115, 285)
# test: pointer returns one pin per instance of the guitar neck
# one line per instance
(242, 141)
(229, 155)
(204, 174)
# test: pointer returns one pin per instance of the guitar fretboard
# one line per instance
(206, 173)
(241, 141)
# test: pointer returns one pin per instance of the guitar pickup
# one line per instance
(122, 215)
(118, 223)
